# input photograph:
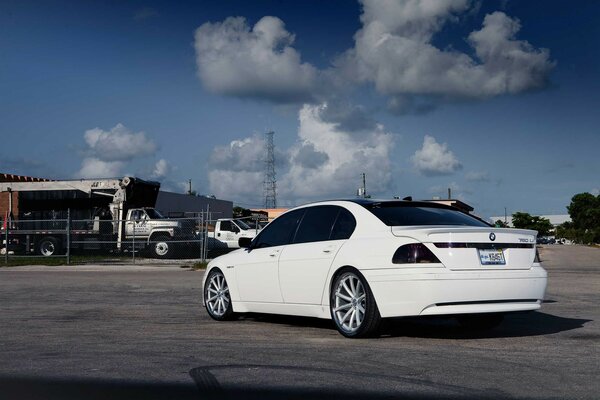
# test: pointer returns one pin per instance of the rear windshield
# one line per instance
(410, 215)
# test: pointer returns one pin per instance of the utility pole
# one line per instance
(190, 186)
(362, 191)
(270, 179)
(505, 219)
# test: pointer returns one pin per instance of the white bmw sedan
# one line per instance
(358, 261)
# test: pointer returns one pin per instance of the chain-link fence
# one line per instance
(143, 238)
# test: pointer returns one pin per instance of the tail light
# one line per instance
(414, 253)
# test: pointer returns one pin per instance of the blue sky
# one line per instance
(176, 90)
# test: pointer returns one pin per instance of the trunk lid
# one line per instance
(471, 248)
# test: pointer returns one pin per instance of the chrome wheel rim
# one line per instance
(47, 248)
(162, 248)
(217, 295)
(349, 305)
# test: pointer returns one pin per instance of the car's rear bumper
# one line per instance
(438, 291)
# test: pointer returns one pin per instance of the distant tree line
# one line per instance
(585, 220)
(584, 226)
(526, 221)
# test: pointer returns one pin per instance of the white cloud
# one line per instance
(259, 62)
(92, 167)
(457, 191)
(348, 155)
(394, 51)
(235, 185)
(434, 158)
(108, 152)
(595, 192)
(145, 13)
(162, 168)
(240, 155)
(118, 144)
(325, 162)
(308, 157)
(478, 176)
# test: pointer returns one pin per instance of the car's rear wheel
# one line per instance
(353, 307)
(480, 322)
(216, 296)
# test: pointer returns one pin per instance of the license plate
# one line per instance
(491, 257)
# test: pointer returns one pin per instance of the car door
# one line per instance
(131, 224)
(142, 227)
(257, 273)
(304, 264)
(225, 232)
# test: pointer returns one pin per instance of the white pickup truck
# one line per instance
(228, 231)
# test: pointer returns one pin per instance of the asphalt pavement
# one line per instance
(141, 332)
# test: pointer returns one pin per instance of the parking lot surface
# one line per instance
(141, 332)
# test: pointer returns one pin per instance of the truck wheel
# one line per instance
(161, 248)
(48, 246)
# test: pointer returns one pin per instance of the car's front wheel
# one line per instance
(353, 307)
(216, 296)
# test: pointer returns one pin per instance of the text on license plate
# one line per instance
(491, 257)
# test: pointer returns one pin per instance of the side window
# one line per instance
(316, 224)
(226, 226)
(280, 231)
(135, 215)
(344, 225)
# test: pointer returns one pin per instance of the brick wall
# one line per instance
(4, 196)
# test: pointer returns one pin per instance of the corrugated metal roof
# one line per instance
(4, 177)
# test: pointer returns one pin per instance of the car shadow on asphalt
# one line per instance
(34, 388)
(514, 325)
(290, 320)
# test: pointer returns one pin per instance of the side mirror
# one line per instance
(244, 242)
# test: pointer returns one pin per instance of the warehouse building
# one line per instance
(177, 205)
(168, 203)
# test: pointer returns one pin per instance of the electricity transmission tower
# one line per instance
(270, 180)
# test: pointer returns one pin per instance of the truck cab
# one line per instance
(159, 234)
(229, 231)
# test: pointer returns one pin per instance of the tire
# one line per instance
(352, 306)
(480, 322)
(161, 248)
(216, 296)
(48, 246)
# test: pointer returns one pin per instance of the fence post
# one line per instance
(6, 238)
(201, 226)
(132, 241)
(68, 236)
(204, 235)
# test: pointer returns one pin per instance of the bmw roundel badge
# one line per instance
(492, 236)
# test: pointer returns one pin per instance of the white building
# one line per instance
(555, 220)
